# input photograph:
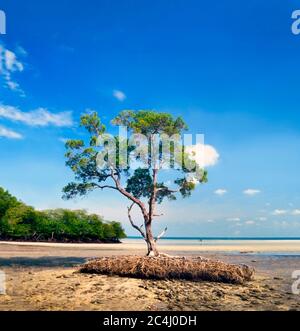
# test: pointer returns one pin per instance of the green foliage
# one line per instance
(140, 183)
(6, 201)
(82, 157)
(19, 221)
(149, 122)
(186, 187)
(92, 123)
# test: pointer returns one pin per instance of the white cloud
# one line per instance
(9, 64)
(192, 178)
(262, 219)
(6, 133)
(210, 221)
(220, 191)
(250, 222)
(278, 212)
(204, 155)
(21, 51)
(296, 212)
(38, 117)
(13, 85)
(251, 191)
(233, 219)
(119, 95)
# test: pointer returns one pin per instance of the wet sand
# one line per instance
(45, 278)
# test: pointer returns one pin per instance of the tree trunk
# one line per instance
(151, 244)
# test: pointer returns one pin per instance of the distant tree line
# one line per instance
(21, 222)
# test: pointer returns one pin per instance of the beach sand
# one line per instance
(243, 246)
(44, 277)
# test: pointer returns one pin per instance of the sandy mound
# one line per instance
(194, 269)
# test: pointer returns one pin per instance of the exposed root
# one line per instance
(165, 267)
(170, 256)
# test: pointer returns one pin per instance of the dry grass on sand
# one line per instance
(163, 268)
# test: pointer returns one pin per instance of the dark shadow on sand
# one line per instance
(44, 261)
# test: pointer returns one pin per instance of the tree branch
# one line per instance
(132, 223)
(129, 196)
(161, 234)
(166, 189)
(105, 186)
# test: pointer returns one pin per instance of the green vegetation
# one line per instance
(21, 222)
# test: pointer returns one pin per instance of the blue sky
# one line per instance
(230, 68)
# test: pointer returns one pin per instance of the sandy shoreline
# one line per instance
(255, 246)
(44, 277)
